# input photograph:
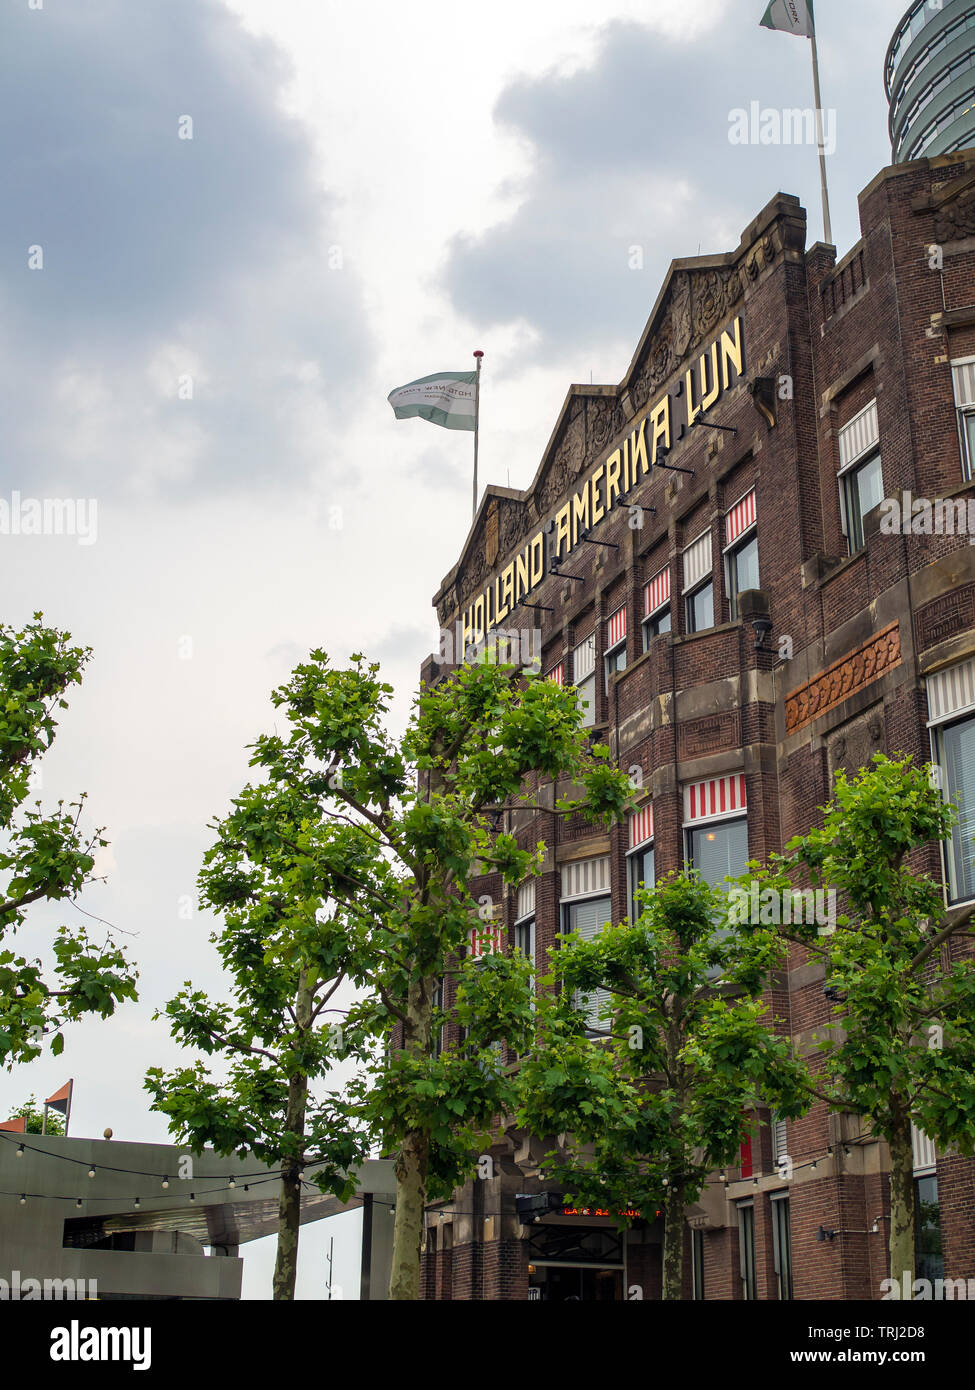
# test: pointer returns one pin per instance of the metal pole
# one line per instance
(365, 1268)
(67, 1113)
(477, 420)
(827, 225)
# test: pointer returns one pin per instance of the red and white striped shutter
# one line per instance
(714, 798)
(584, 659)
(557, 674)
(859, 436)
(616, 628)
(583, 878)
(697, 561)
(657, 592)
(742, 515)
(641, 826)
(526, 898)
(486, 938)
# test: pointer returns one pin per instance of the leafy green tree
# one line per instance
(652, 1103)
(44, 856)
(410, 823)
(902, 1046)
(288, 953)
(33, 1115)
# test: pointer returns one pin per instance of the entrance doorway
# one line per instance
(574, 1284)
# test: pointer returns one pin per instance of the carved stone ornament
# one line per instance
(852, 747)
(956, 219)
(491, 534)
(843, 679)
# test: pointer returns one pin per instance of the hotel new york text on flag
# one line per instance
(450, 399)
(798, 17)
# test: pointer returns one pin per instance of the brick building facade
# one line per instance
(741, 622)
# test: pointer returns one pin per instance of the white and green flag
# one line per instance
(446, 398)
(794, 16)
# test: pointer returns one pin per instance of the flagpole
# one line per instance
(827, 226)
(67, 1113)
(477, 419)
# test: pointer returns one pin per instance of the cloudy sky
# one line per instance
(229, 228)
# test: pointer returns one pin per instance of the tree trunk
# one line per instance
(412, 1160)
(902, 1202)
(411, 1196)
(289, 1204)
(673, 1251)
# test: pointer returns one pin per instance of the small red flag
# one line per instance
(18, 1126)
(61, 1100)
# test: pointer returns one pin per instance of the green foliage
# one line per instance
(352, 861)
(33, 1113)
(659, 1098)
(45, 855)
(905, 1040)
(286, 953)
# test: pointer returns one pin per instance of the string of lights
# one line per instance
(137, 1201)
(263, 1176)
(23, 1147)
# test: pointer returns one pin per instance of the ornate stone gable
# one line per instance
(695, 303)
(696, 299)
(953, 204)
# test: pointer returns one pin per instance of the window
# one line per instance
(584, 677)
(640, 862)
(719, 850)
(863, 489)
(654, 626)
(525, 939)
(861, 476)
(698, 586)
(782, 1244)
(780, 1141)
(956, 754)
(741, 551)
(524, 929)
(742, 572)
(641, 876)
(656, 607)
(700, 609)
(586, 908)
(697, 1264)
(746, 1249)
(929, 1254)
(716, 830)
(963, 377)
(588, 919)
(615, 659)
